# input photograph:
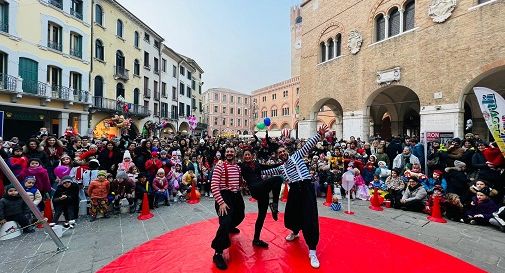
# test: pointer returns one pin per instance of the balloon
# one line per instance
(348, 180)
(267, 121)
(61, 171)
(260, 125)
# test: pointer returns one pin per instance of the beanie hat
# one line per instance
(29, 178)
(163, 152)
(68, 178)
(160, 170)
(459, 164)
(154, 154)
(127, 155)
(34, 159)
(486, 191)
(438, 188)
(438, 172)
(102, 173)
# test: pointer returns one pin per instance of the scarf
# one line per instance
(411, 189)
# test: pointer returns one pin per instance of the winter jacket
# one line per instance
(457, 181)
(429, 183)
(160, 184)
(12, 205)
(399, 163)
(37, 153)
(42, 181)
(34, 195)
(71, 192)
(99, 189)
(18, 165)
(486, 208)
(416, 194)
(121, 189)
(109, 160)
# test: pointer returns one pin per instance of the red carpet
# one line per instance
(343, 247)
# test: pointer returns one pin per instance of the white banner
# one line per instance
(492, 106)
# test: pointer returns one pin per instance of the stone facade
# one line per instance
(227, 112)
(438, 63)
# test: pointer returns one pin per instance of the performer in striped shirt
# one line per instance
(301, 208)
(225, 186)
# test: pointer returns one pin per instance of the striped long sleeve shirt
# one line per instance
(295, 169)
(224, 177)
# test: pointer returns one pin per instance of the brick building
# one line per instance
(399, 67)
(227, 112)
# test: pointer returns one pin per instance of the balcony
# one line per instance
(147, 93)
(110, 105)
(121, 73)
(4, 26)
(157, 95)
(76, 52)
(77, 14)
(56, 3)
(54, 45)
(8, 82)
(61, 92)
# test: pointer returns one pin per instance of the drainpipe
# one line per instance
(90, 115)
(178, 93)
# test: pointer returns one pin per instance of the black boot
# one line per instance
(260, 243)
(275, 211)
(218, 259)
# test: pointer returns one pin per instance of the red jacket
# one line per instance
(152, 165)
(160, 183)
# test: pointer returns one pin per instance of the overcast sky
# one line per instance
(240, 44)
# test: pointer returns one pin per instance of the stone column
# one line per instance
(443, 118)
(83, 124)
(327, 57)
(335, 46)
(307, 128)
(355, 124)
(63, 123)
(386, 31)
(401, 20)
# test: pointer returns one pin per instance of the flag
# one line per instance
(492, 106)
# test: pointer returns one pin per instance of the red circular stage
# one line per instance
(343, 247)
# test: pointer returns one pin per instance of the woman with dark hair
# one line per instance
(54, 149)
(32, 149)
(109, 158)
(141, 154)
(260, 190)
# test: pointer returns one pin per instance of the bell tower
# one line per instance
(296, 39)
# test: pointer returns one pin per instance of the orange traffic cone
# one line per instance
(48, 212)
(193, 197)
(375, 201)
(328, 196)
(436, 212)
(145, 213)
(284, 197)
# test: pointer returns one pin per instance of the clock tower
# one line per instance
(296, 40)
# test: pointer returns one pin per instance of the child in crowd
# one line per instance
(143, 186)
(40, 173)
(361, 189)
(133, 172)
(436, 179)
(335, 205)
(382, 171)
(437, 192)
(122, 188)
(18, 163)
(91, 174)
(127, 162)
(481, 209)
(13, 208)
(205, 182)
(65, 200)
(479, 185)
(31, 190)
(453, 207)
(98, 191)
(379, 185)
(176, 182)
(160, 187)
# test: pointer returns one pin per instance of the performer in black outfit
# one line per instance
(260, 190)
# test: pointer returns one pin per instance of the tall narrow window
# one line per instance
(76, 45)
(4, 16)
(146, 60)
(120, 90)
(394, 22)
(338, 45)
(98, 86)
(119, 28)
(76, 9)
(136, 67)
(54, 77)
(322, 49)
(330, 49)
(136, 39)
(156, 66)
(54, 38)
(75, 81)
(380, 28)
(98, 14)
(409, 15)
(99, 50)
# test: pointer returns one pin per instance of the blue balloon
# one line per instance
(267, 121)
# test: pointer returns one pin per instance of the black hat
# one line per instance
(141, 175)
(457, 140)
(486, 191)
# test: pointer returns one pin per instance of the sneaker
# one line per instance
(206, 195)
(473, 222)
(260, 243)
(292, 237)
(314, 262)
(235, 230)
(219, 261)
(210, 195)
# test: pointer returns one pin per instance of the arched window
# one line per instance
(136, 67)
(322, 47)
(99, 54)
(98, 14)
(98, 86)
(338, 45)
(330, 48)
(394, 22)
(380, 28)
(119, 59)
(409, 15)
(136, 41)
(120, 90)
(119, 28)
(136, 96)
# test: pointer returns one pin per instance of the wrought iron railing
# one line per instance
(54, 45)
(76, 13)
(56, 3)
(76, 52)
(61, 92)
(80, 95)
(35, 88)
(121, 72)
(8, 82)
(113, 105)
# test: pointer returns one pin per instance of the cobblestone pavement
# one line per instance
(93, 245)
